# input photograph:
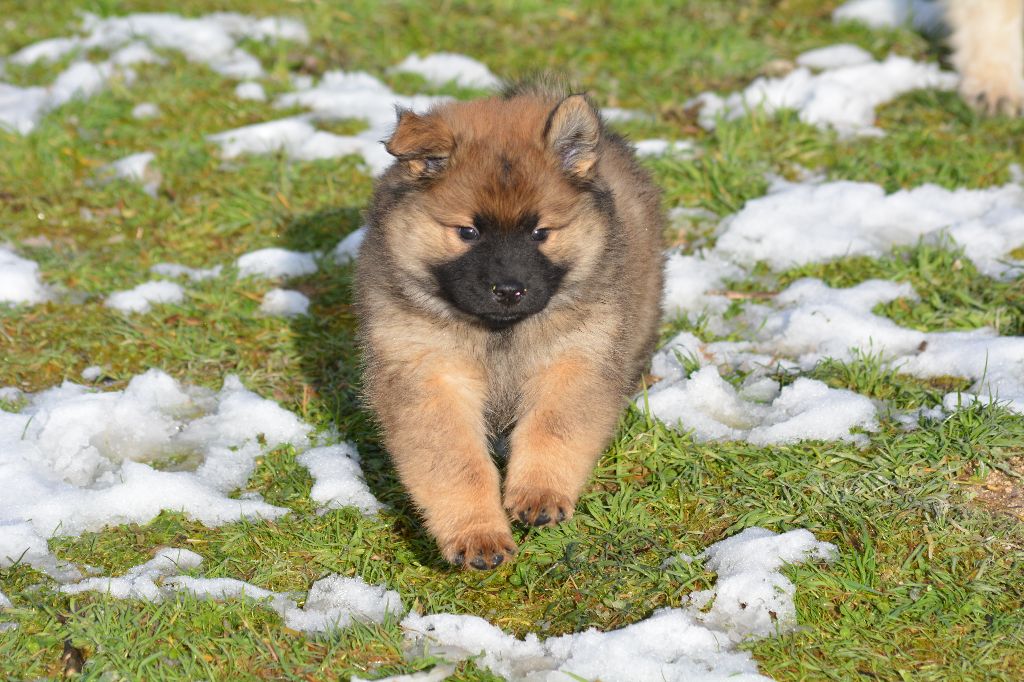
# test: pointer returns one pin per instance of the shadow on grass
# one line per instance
(325, 342)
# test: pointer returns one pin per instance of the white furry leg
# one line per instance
(988, 51)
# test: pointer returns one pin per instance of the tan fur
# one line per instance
(555, 383)
(988, 51)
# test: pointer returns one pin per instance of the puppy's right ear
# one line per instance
(422, 143)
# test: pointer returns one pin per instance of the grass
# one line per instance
(927, 586)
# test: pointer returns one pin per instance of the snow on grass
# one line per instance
(250, 90)
(446, 67)
(178, 270)
(336, 601)
(210, 40)
(658, 147)
(136, 168)
(92, 373)
(140, 582)
(924, 15)
(144, 110)
(332, 602)
(19, 279)
(141, 298)
(834, 56)
(348, 248)
(338, 95)
(800, 223)
(805, 410)
(75, 459)
(274, 262)
(843, 97)
(337, 478)
(284, 303)
(751, 599)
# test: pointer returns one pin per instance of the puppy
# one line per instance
(508, 286)
(988, 50)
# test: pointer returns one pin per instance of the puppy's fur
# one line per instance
(988, 51)
(508, 285)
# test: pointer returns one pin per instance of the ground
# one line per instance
(927, 584)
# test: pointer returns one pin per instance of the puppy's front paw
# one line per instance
(538, 507)
(994, 94)
(480, 550)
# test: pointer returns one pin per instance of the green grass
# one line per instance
(927, 585)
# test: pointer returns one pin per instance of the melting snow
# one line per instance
(801, 223)
(250, 90)
(446, 67)
(19, 279)
(210, 40)
(178, 270)
(924, 15)
(136, 168)
(141, 298)
(284, 303)
(348, 248)
(842, 97)
(685, 644)
(338, 479)
(273, 263)
(145, 110)
(338, 96)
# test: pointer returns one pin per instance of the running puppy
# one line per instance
(509, 286)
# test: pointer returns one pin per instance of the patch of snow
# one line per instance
(19, 279)
(802, 223)
(618, 115)
(335, 601)
(141, 298)
(76, 459)
(348, 248)
(834, 57)
(843, 98)
(144, 110)
(210, 40)
(446, 67)
(219, 589)
(273, 263)
(250, 90)
(5, 603)
(658, 147)
(92, 373)
(284, 303)
(805, 410)
(339, 95)
(140, 582)
(691, 280)
(994, 363)
(136, 168)
(923, 15)
(178, 270)
(337, 478)
(683, 644)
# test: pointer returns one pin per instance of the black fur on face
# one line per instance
(503, 277)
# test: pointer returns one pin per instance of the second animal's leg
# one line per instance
(988, 51)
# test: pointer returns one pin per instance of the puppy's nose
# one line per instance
(508, 293)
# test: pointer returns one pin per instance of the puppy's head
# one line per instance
(495, 210)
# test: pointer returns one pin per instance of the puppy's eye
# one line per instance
(539, 234)
(469, 234)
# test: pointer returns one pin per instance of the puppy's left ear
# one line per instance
(572, 133)
(422, 143)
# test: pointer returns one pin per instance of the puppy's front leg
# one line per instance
(572, 411)
(431, 409)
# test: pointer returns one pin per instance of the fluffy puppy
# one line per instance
(508, 286)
